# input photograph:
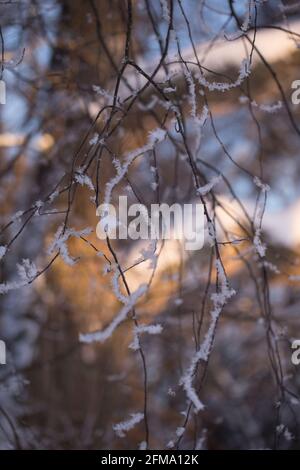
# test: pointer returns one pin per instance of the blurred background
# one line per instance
(86, 82)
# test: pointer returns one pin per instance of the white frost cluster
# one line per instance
(156, 136)
(149, 254)
(170, 445)
(83, 179)
(60, 243)
(219, 86)
(203, 190)
(94, 140)
(103, 335)
(17, 216)
(165, 10)
(192, 92)
(3, 250)
(281, 429)
(272, 267)
(247, 20)
(150, 329)
(27, 270)
(211, 232)
(219, 299)
(105, 94)
(38, 204)
(180, 431)
(115, 283)
(122, 428)
(200, 445)
(53, 196)
(263, 186)
(268, 108)
(259, 246)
